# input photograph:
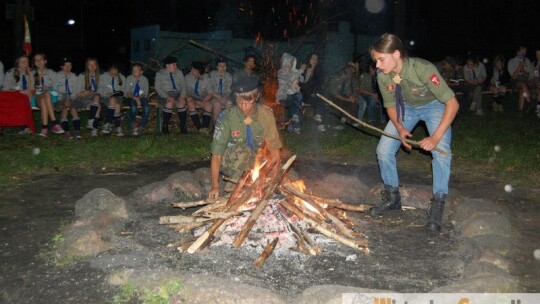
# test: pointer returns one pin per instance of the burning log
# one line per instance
(275, 181)
(268, 249)
(286, 220)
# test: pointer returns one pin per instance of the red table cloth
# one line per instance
(15, 110)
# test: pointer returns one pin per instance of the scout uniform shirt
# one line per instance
(46, 79)
(109, 84)
(220, 84)
(420, 84)
(66, 85)
(168, 82)
(231, 129)
(26, 82)
(137, 87)
(93, 83)
(197, 88)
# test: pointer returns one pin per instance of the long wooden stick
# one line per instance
(275, 181)
(409, 141)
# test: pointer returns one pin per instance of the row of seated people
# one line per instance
(471, 79)
(105, 94)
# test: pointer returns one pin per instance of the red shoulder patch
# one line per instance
(390, 87)
(235, 133)
(435, 80)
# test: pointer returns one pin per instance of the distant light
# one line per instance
(374, 6)
(412, 42)
(70, 22)
(485, 60)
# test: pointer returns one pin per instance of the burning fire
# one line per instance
(298, 185)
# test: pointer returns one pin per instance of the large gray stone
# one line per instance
(185, 185)
(203, 289)
(101, 201)
(496, 243)
(473, 208)
(347, 188)
(83, 238)
(330, 294)
(487, 224)
(155, 192)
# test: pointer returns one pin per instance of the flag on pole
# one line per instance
(27, 44)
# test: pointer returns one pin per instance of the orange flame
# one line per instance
(298, 185)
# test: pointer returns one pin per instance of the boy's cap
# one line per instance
(198, 65)
(245, 84)
(169, 60)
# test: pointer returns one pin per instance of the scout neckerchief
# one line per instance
(93, 86)
(173, 82)
(24, 82)
(68, 93)
(220, 87)
(196, 89)
(249, 134)
(137, 89)
(112, 84)
(42, 81)
(400, 103)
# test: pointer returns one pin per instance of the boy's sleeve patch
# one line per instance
(435, 79)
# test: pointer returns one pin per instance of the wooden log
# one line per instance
(185, 205)
(268, 249)
(276, 177)
(218, 206)
(338, 223)
(357, 208)
(185, 228)
(303, 245)
(360, 244)
(181, 219)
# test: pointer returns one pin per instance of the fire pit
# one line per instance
(273, 211)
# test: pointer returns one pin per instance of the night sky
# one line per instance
(438, 27)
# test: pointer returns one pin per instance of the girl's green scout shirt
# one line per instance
(420, 83)
(231, 129)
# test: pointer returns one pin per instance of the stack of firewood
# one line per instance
(252, 194)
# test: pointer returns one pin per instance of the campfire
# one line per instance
(273, 211)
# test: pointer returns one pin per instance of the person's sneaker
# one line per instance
(56, 129)
(24, 131)
(321, 128)
(44, 132)
(343, 119)
(205, 131)
(479, 112)
(77, 134)
(473, 106)
(106, 128)
(90, 124)
(93, 133)
(135, 132)
(317, 118)
(119, 132)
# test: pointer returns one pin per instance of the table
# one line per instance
(15, 110)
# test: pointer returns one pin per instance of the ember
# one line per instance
(274, 211)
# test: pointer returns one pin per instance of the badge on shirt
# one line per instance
(435, 80)
(390, 87)
(235, 133)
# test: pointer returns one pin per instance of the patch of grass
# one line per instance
(474, 139)
(18, 161)
(160, 295)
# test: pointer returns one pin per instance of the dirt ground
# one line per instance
(403, 258)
